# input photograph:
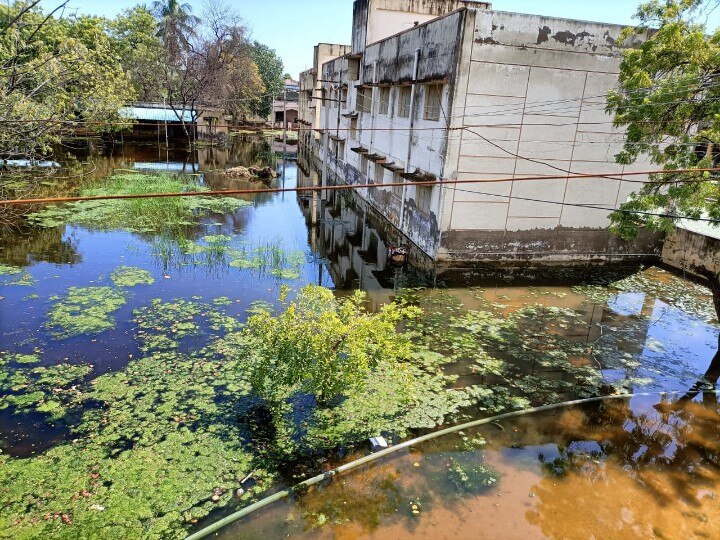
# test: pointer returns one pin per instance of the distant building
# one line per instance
(152, 120)
(286, 107)
(453, 90)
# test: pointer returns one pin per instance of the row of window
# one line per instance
(387, 96)
(423, 194)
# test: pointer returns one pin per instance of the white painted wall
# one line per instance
(533, 106)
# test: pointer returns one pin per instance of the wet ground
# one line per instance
(580, 334)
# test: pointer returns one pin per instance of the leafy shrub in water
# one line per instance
(323, 345)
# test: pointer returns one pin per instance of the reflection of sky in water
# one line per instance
(272, 218)
(627, 303)
(673, 347)
(678, 347)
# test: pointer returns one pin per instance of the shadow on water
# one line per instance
(613, 469)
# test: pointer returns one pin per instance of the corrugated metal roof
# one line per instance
(155, 114)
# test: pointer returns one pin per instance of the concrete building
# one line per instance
(453, 90)
(286, 107)
(310, 96)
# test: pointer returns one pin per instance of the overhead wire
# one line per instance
(442, 182)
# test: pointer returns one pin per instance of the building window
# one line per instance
(364, 166)
(364, 99)
(341, 150)
(384, 99)
(433, 101)
(343, 97)
(423, 198)
(405, 96)
(354, 128)
(397, 179)
(353, 69)
(379, 174)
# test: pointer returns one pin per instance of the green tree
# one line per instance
(323, 345)
(55, 74)
(669, 101)
(271, 69)
(176, 24)
(135, 41)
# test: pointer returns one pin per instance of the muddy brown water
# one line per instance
(619, 469)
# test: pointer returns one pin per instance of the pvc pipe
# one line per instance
(232, 518)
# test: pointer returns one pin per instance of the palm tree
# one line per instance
(176, 24)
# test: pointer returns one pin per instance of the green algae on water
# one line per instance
(169, 215)
(51, 390)
(9, 270)
(130, 276)
(84, 310)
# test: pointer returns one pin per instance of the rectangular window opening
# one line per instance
(433, 101)
(384, 100)
(404, 99)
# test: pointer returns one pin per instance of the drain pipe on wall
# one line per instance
(410, 137)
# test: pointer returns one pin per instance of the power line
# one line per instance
(443, 183)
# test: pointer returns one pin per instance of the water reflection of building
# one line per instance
(354, 238)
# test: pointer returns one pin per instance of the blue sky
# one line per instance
(293, 27)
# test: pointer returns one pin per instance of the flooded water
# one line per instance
(114, 339)
(616, 469)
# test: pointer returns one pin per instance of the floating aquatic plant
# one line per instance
(130, 276)
(9, 270)
(168, 215)
(269, 258)
(84, 310)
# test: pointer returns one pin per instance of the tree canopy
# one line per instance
(55, 73)
(272, 71)
(59, 72)
(669, 102)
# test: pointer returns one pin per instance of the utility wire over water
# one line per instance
(442, 183)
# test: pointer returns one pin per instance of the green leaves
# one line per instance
(324, 346)
(130, 276)
(168, 216)
(669, 104)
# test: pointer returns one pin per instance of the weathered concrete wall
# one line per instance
(409, 142)
(375, 20)
(521, 95)
(687, 250)
(562, 246)
(309, 102)
(531, 103)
